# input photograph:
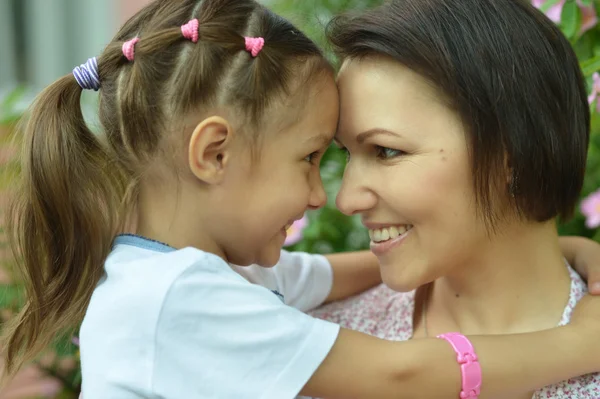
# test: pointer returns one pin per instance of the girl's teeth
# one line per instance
(380, 235)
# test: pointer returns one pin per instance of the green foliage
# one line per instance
(10, 110)
(587, 48)
(311, 16)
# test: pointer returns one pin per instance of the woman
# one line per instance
(467, 125)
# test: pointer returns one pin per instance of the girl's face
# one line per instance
(408, 173)
(267, 194)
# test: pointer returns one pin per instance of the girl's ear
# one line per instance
(210, 149)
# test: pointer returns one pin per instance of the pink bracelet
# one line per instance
(469, 364)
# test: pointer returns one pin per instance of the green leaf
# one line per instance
(10, 296)
(590, 66)
(8, 106)
(596, 236)
(548, 5)
(570, 19)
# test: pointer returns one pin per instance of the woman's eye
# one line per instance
(387, 153)
(346, 153)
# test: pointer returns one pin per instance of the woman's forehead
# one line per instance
(383, 76)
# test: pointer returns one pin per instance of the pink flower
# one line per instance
(590, 207)
(595, 91)
(589, 18)
(553, 12)
(294, 233)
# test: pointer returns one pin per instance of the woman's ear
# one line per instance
(512, 178)
(210, 149)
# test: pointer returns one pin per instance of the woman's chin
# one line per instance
(402, 280)
(399, 284)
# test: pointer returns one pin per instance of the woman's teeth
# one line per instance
(388, 233)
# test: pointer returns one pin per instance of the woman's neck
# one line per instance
(516, 282)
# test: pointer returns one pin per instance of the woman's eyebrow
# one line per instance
(375, 131)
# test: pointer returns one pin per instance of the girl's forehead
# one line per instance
(314, 119)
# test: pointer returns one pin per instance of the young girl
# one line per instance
(215, 114)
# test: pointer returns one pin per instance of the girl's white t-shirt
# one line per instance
(166, 323)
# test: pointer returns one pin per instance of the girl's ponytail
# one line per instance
(62, 220)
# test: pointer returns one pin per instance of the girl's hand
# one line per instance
(584, 255)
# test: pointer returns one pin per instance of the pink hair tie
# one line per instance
(129, 48)
(190, 30)
(254, 45)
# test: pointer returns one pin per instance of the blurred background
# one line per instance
(41, 40)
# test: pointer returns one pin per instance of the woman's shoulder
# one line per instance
(379, 311)
(583, 387)
(577, 291)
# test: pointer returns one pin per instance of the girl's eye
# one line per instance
(312, 157)
(387, 153)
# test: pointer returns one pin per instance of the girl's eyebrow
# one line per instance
(322, 139)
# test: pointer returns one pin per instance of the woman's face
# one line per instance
(408, 173)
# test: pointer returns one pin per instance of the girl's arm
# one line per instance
(355, 272)
(275, 351)
(361, 366)
(584, 255)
